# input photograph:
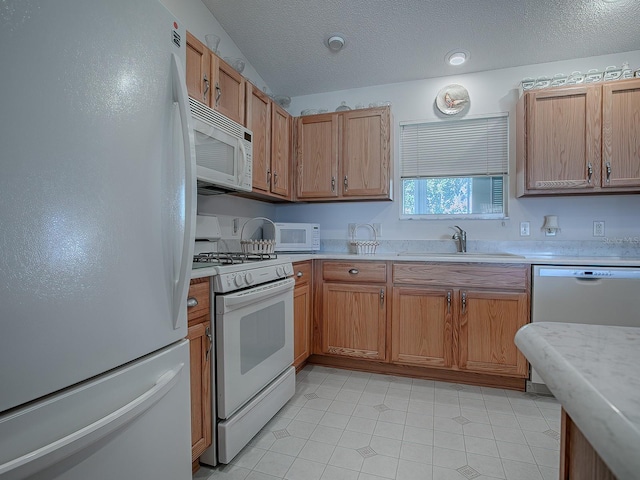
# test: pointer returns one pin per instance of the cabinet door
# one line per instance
(301, 324)
(258, 120)
(228, 95)
(354, 320)
(421, 326)
(366, 153)
(280, 152)
(198, 70)
(621, 134)
(563, 139)
(317, 156)
(488, 324)
(200, 358)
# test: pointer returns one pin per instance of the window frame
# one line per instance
(469, 216)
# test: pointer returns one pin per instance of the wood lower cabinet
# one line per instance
(422, 326)
(460, 316)
(489, 321)
(578, 459)
(302, 308)
(354, 309)
(581, 139)
(200, 343)
(344, 156)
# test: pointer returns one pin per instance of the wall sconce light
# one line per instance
(550, 225)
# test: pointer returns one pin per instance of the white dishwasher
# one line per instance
(584, 294)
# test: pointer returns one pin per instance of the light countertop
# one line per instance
(454, 257)
(533, 259)
(594, 372)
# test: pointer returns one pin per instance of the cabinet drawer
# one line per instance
(199, 289)
(503, 276)
(373, 272)
(302, 272)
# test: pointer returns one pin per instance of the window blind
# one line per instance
(455, 148)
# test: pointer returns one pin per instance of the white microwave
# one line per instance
(223, 151)
(294, 237)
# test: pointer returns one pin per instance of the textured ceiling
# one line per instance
(390, 41)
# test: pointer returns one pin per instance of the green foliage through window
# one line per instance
(453, 196)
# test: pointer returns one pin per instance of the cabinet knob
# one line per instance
(464, 302)
(381, 297)
(192, 302)
(589, 172)
(333, 184)
(299, 274)
(354, 271)
(608, 171)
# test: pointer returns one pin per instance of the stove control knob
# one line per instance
(238, 281)
(288, 270)
(280, 271)
(249, 278)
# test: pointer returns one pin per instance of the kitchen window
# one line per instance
(455, 168)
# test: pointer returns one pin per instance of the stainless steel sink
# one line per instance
(460, 254)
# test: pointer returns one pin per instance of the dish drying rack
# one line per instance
(257, 247)
(364, 247)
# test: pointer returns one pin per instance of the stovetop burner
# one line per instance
(231, 258)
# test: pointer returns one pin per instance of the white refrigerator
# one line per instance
(97, 215)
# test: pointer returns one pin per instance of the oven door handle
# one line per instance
(246, 297)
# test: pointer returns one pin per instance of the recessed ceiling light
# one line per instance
(456, 57)
(335, 42)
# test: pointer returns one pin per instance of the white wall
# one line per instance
(490, 92)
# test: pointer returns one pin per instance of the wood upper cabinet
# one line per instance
(302, 313)
(422, 326)
(200, 343)
(258, 120)
(489, 321)
(621, 134)
(344, 155)
(317, 156)
(228, 89)
(281, 164)
(460, 316)
(366, 153)
(213, 81)
(579, 139)
(353, 315)
(271, 127)
(198, 70)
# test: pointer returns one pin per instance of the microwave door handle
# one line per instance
(186, 237)
(241, 171)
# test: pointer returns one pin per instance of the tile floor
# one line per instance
(344, 425)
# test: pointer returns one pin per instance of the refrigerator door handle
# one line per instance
(54, 452)
(181, 285)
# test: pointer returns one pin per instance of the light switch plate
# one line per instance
(524, 229)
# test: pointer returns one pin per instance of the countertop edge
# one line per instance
(594, 414)
(453, 258)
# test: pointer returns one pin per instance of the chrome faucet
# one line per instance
(461, 239)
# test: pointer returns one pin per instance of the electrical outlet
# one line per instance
(598, 228)
(376, 228)
(236, 225)
(524, 229)
(351, 228)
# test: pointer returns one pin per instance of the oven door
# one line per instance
(254, 340)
